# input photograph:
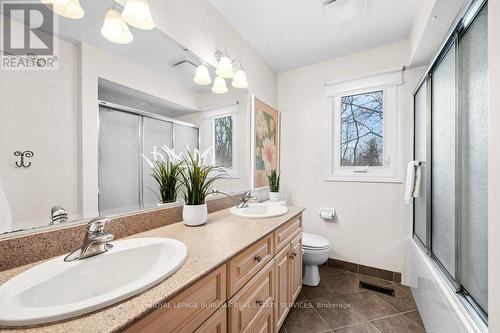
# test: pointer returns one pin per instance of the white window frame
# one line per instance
(209, 118)
(390, 172)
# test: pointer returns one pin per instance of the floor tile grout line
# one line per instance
(319, 314)
(384, 317)
(375, 327)
(403, 313)
(397, 314)
(383, 300)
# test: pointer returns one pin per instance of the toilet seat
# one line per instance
(313, 249)
(313, 242)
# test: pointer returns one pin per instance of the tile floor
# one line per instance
(339, 305)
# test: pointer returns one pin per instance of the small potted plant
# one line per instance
(197, 178)
(274, 186)
(165, 172)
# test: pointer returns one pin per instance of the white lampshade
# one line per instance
(202, 76)
(137, 14)
(219, 86)
(115, 29)
(240, 79)
(225, 68)
(67, 8)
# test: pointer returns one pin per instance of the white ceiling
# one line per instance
(294, 33)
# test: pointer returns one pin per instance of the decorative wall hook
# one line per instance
(22, 155)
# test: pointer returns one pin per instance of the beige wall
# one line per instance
(370, 216)
(493, 163)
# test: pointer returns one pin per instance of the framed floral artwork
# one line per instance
(265, 142)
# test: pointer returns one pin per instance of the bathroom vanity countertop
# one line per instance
(209, 246)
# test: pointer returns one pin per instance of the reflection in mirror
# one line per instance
(88, 119)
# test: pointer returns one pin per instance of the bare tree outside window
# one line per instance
(223, 132)
(362, 129)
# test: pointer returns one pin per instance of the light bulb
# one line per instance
(219, 86)
(137, 14)
(202, 76)
(67, 8)
(115, 29)
(240, 79)
(225, 68)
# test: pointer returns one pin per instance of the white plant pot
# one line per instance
(194, 215)
(274, 196)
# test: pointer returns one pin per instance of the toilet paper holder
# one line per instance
(327, 214)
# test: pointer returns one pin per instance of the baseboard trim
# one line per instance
(365, 270)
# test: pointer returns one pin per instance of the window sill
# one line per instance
(367, 179)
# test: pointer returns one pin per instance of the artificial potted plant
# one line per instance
(274, 186)
(165, 172)
(197, 178)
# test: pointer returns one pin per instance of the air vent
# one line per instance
(340, 11)
(185, 66)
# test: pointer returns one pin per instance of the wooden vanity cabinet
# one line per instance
(251, 292)
(296, 266)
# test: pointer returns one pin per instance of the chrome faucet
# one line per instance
(247, 196)
(58, 215)
(96, 241)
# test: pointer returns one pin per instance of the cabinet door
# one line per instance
(187, 311)
(264, 324)
(215, 324)
(247, 307)
(296, 267)
(282, 298)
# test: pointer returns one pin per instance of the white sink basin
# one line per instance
(259, 210)
(56, 290)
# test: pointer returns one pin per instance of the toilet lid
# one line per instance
(313, 241)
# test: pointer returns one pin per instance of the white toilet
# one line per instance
(316, 250)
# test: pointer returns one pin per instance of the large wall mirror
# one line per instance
(72, 137)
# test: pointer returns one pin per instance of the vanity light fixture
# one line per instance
(219, 86)
(137, 14)
(67, 8)
(225, 65)
(240, 79)
(115, 29)
(202, 76)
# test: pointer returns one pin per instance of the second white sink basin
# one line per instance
(260, 210)
(56, 290)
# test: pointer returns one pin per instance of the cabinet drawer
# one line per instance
(245, 265)
(188, 310)
(255, 298)
(215, 324)
(264, 324)
(284, 234)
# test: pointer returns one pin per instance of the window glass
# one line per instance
(223, 141)
(362, 129)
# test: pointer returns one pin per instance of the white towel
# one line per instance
(5, 214)
(418, 176)
(410, 182)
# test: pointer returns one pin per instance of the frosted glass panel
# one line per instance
(473, 154)
(420, 211)
(443, 162)
(118, 161)
(185, 135)
(155, 133)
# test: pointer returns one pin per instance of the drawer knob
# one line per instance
(259, 302)
(258, 258)
(292, 255)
